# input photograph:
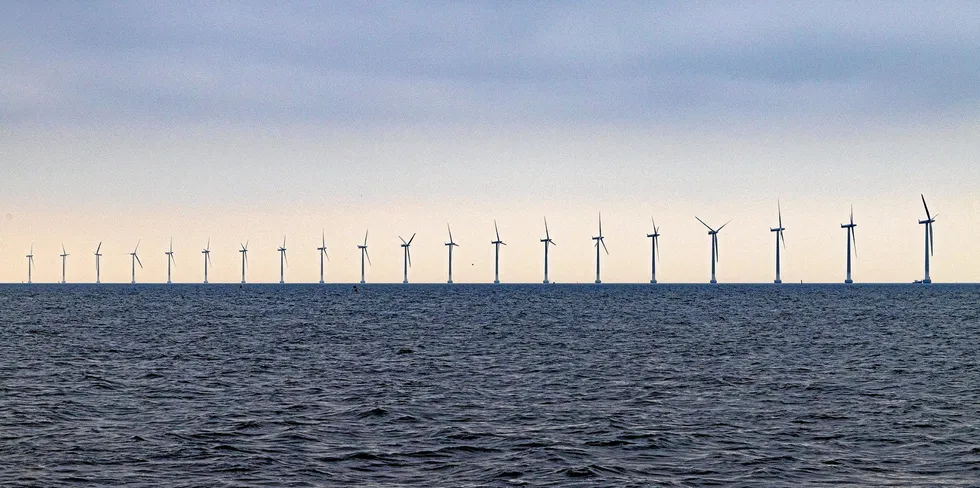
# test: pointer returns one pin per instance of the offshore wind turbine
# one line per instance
(929, 234)
(323, 253)
(207, 259)
(451, 244)
(283, 262)
(779, 237)
(496, 253)
(850, 235)
(654, 250)
(97, 268)
(170, 259)
(30, 263)
(406, 247)
(547, 242)
(364, 254)
(599, 240)
(244, 251)
(714, 245)
(136, 259)
(64, 255)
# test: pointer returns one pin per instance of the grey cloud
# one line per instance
(496, 62)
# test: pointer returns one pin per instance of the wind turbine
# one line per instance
(850, 235)
(714, 245)
(364, 254)
(451, 244)
(323, 253)
(654, 250)
(408, 255)
(244, 251)
(136, 259)
(929, 234)
(170, 259)
(779, 236)
(547, 242)
(599, 240)
(97, 268)
(496, 254)
(64, 256)
(282, 261)
(30, 263)
(207, 259)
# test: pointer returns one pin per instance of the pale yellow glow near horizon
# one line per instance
(232, 185)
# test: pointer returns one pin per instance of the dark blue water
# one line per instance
(481, 385)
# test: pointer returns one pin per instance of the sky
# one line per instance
(138, 122)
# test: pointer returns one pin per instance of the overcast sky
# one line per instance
(140, 120)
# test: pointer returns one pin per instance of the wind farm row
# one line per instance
(546, 241)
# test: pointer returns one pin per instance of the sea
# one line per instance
(484, 385)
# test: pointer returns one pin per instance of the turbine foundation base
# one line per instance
(713, 281)
(653, 282)
(496, 282)
(927, 281)
(848, 281)
(598, 282)
(449, 282)
(546, 282)
(777, 281)
(404, 282)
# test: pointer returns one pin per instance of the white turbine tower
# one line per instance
(136, 259)
(406, 247)
(364, 254)
(547, 242)
(283, 262)
(170, 259)
(98, 277)
(654, 250)
(714, 245)
(244, 251)
(496, 254)
(64, 257)
(929, 234)
(599, 240)
(451, 244)
(207, 259)
(323, 253)
(30, 263)
(779, 237)
(850, 235)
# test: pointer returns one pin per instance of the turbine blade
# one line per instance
(410, 239)
(603, 241)
(403, 240)
(138, 261)
(100, 247)
(368, 256)
(928, 217)
(779, 209)
(656, 243)
(323, 238)
(285, 257)
(495, 229)
(246, 245)
(722, 227)
(546, 234)
(852, 216)
(600, 225)
(408, 252)
(138, 245)
(450, 232)
(365, 237)
(932, 245)
(714, 240)
(209, 244)
(704, 224)
(782, 235)
(855, 239)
